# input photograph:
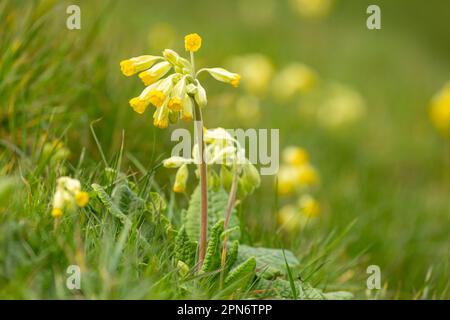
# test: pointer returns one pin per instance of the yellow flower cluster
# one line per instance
(221, 150)
(440, 110)
(297, 177)
(68, 195)
(296, 173)
(173, 95)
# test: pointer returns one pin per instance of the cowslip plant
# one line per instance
(237, 175)
(178, 94)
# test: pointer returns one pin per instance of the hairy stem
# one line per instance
(198, 130)
(203, 186)
(230, 205)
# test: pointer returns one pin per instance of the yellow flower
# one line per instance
(192, 42)
(440, 110)
(187, 112)
(137, 64)
(161, 117)
(56, 213)
(309, 206)
(155, 73)
(307, 175)
(286, 180)
(82, 199)
(223, 75)
(256, 70)
(139, 105)
(157, 98)
(293, 79)
(181, 179)
(175, 104)
(295, 156)
(235, 81)
(288, 217)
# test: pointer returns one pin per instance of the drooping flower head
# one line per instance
(221, 150)
(171, 83)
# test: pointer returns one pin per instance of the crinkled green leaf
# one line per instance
(217, 203)
(269, 262)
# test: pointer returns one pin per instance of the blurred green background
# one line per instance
(388, 172)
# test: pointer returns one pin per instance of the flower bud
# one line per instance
(187, 113)
(181, 179)
(223, 75)
(175, 162)
(137, 64)
(200, 96)
(174, 58)
(155, 73)
(251, 174)
(226, 177)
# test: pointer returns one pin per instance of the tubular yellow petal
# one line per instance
(175, 104)
(137, 64)
(157, 98)
(139, 105)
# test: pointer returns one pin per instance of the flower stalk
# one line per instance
(229, 209)
(203, 175)
(203, 185)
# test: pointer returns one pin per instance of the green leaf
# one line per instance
(109, 204)
(185, 249)
(242, 275)
(232, 255)
(217, 203)
(269, 262)
(212, 257)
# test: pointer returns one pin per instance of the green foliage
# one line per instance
(185, 249)
(213, 251)
(217, 203)
(270, 263)
(232, 255)
(241, 276)
(281, 289)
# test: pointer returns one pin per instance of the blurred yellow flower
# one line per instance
(440, 110)
(295, 156)
(306, 175)
(68, 194)
(289, 218)
(309, 206)
(56, 213)
(341, 107)
(192, 42)
(293, 79)
(312, 8)
(248, 110)
(291, 178)
(82, 199)
(256, 70)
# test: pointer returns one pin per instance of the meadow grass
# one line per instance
(385, 182)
